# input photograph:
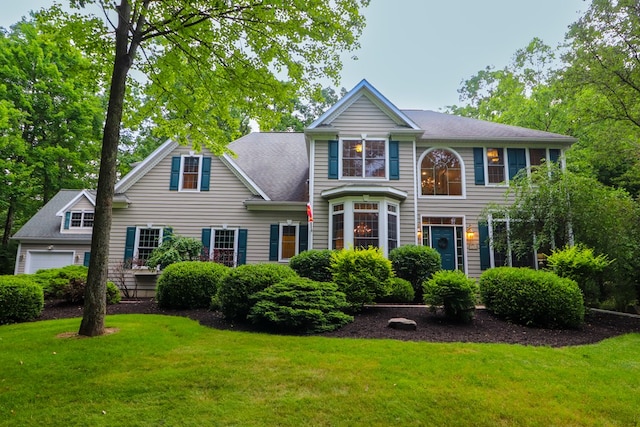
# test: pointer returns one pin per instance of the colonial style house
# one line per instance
(365, 173)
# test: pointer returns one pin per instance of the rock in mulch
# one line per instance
(402, 323)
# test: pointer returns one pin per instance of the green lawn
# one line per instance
(170, 371)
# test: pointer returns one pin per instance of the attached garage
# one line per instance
(37, 260)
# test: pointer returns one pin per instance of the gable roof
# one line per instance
(145, 166)
(447, 126)
(84, 193)
(364, 88)
(45, 224)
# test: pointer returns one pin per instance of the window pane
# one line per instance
(76, 219)
(352, 152)
(148, 240)
(365, 231)
(288, 246)
(495, 165)
(392, 224)
(537, 156)
(88, 219)
(190, 173)
(374, 159)
(224, 247)
(441, 174)
(338, 231)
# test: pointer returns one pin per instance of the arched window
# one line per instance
(441, 174)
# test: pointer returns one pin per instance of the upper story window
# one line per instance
(441, 174)
(493, 166)
(190, 173)
(364, 158)
(78, 219)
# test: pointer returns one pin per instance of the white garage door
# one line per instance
(49, 259)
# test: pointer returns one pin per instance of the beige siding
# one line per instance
(83, 204)
(363, 116)
(189, 212)
(22, 256)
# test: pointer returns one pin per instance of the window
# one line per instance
(495, 165)
(223, 248)
(147, 240)
(501, 249)
(364, 158)
(80, 220)
(537, 156)
(362, 224)
(288, 241)
(190, 173)
(441, 174)
(499, 165)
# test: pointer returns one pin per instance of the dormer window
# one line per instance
(78, 220)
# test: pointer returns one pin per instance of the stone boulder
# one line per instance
(402, 323)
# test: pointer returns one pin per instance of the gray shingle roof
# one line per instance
(276, 161)
(447, 126)
(45, 225)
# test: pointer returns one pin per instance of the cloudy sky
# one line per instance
(417, 52)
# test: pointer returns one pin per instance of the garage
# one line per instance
(37, 260)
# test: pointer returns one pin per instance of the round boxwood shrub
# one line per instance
(454, 292)
(532, 298)
(21, 299)
(398, 291)
(362, 274)
(314, 264)
(55, 281)
(300, 305)
(233, 298)
(189, 284)
(415, 264)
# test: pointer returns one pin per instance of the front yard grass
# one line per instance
(164, 370)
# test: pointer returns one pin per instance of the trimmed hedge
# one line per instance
(54, 281)
(415, 264)
(300, 305)
(21, 299)
(455, 292)
(189, 284)
(398, 291)
(233, 297)
(362, 274)
(532, 298)
(314, 264)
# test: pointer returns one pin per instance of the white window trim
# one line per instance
(280, 236)
(214, 230)
(462, 171)
(506, 163)
(82, 213)
(136, 246)
(364, 138)
(180, 183)
(348, 211)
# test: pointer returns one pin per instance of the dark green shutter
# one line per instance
(129, 243)
(333, 159)
(483, 235)
(166, 234)
(517, 160)
(206, 174)
(206, 243)
(303, 238)
(87, 258)
(242, 246)
(554, 154)
(175, 173)
(273, 242)
(67, 220)
(478, 165)
(394, 160)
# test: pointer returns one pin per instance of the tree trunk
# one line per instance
(95, 300)
(8, 223)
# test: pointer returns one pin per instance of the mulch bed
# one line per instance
(372, 323)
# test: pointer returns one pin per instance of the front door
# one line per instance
(443, 240)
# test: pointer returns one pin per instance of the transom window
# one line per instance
(364, 158)
(81, 220)
(441, 174)
(190, 174)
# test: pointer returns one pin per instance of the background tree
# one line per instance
(206, 61)
(300, 113)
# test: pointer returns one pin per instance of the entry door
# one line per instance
(444, 241)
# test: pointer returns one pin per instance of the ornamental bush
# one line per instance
(233, 297)
(415, 264)
(532, 298)
(175, 248)
(398, 291)
(362, 274)
(314, 264)
(189, 284)
(73, 292)
(579, 263)
(454, 292)
(300, 305)
(54, 281)
(21, 299)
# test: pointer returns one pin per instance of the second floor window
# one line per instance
(190, 172)
(364, 158)
(495, 165)
(441, 174)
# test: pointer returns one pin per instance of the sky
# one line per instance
(418, 52)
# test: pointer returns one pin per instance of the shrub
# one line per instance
(174, 249)
(415, 264)
(189, 284)
(21, 299)
(362, 274)
(54, 281)
(73, 292)
(398, 291)
(242, 282)
(300, 305)
(455, 292)
(581, 265)
(532, 298)
(314, 264)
